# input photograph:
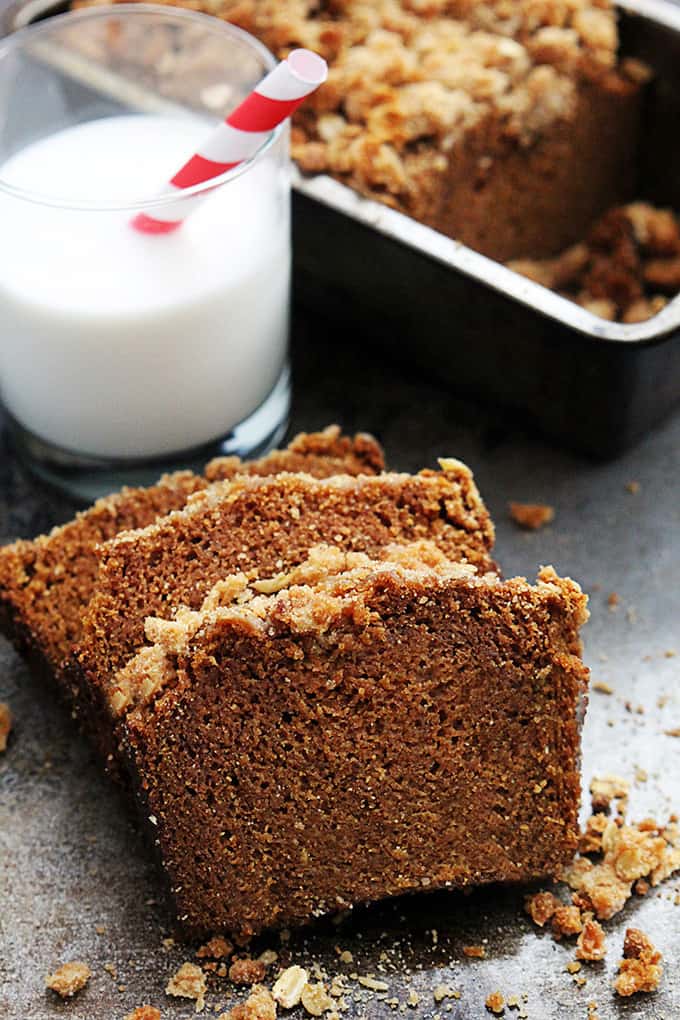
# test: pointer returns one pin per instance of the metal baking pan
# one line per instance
(381, 277)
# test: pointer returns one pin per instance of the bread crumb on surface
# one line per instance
(640, 969)
(631, 852)
(602, 687)
(531, 515)
(5, 724)
(69, 978)
(605, 789)
(316, 1000)
(258, 1006)
(474, 952)
(591, 944)
(495, 1003)
(541, 907)
(288, 986)
(144, 1013)
(566, 921)
(246, 971)
(632, 487)
(188, 983)
(442, 992)
(216, 948)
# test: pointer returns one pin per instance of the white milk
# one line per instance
(120, 344)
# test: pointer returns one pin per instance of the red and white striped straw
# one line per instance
(239, 136)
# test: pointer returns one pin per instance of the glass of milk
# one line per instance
(124, 354)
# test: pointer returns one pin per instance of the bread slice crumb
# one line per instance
(144, 1013)
(69, 978)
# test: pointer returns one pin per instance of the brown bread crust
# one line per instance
(393, 730)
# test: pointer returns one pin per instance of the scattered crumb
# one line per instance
(442, 992)
(675, 732)
(606, 789)
(630, 852)
(590, 840)
(346, 956)
(373, 984)
(541, 907)
(217, 948)
(188, 983)
(144, 1013)
(69, 978)
(602, 687)
(258, 1006)
(613, 600)
(475, 952)
(670, 653)
(110, 968)
(640, 969)
(268, 957)
(100, 929)
(573, 967)
(246, 971)
(531, 515)
(566, 921)
(632, 487)
(168, 944)
(412, 998)
(316, 1000)
(591, 943)
(495, 1003)
(5, 724)
(288, 986)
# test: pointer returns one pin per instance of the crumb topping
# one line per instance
(626, 270)
(407, 79)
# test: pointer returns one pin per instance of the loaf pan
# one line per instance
(435, 305)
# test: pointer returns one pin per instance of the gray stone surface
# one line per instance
(75, 880)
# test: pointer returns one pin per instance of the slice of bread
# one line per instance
(369, 728)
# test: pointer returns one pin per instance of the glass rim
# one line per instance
(159, 199)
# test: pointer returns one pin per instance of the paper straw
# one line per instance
(239, 136)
